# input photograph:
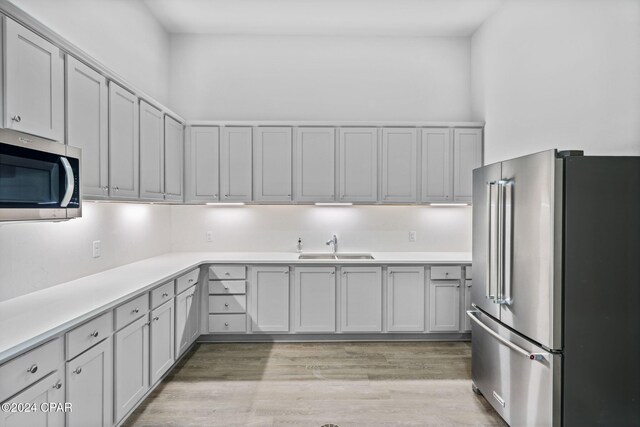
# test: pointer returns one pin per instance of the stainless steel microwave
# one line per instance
(39, 178)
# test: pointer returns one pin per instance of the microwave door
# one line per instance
(28, 183)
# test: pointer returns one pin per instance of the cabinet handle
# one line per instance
(458, 285)
(116, 188)
(469, 285)
(391, 273)
(226, 288)
(105, 188)
(94, 334)
(164, 295)
(16, 118)
(57, 385)
(333, 272)
(226, 304)
(286, 272)
(226, 273)
(135, 310)
(226, 195)
(190, 280)
(226, 323)
(156, 318)
(215, 196)
(33, 369)
(78, 370)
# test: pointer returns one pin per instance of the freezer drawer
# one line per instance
(520, 380)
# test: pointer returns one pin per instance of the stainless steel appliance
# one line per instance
(556, 295)
(39, 179)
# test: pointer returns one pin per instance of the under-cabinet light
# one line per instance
(333, 204)
(226, 204)
(448, 204)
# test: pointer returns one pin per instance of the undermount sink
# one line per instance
(336, 256)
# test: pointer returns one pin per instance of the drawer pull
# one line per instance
(226, 287)
(226, 304)
(94, 334)
(57, 385)
(156, 318)
(226, 323)
(33, 369)
(469, 285)
(78, 370)
(164, 295)
(190, 280)
(135, 310)
(226, 273)
(16, 118)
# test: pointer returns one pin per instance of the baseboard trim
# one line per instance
(239, 338)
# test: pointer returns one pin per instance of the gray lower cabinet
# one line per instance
(131, 366)
(50, 389)
(361, 299)
(162, 344)
(269, 290)
(405, 299)
(466, 323)
(187, 321)
(444, 306)
(90, 386)
(315, 299)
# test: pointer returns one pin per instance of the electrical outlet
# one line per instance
(97, 252)
(209, 236)
(413, 236)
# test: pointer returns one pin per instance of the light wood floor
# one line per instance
(312, 384)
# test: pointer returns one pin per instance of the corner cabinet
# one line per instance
(272, 164)
(315, 164)
(236, 164)
(33, 83)
(87, 125)
(124, 144)
(173, 160)
(202, 170)
(358, 165)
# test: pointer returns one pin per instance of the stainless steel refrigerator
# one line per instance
(556, 289)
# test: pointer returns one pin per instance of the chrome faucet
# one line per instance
(333, 241)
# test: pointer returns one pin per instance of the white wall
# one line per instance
(359, 228)
(320, 78)
(559, 74)
(122, 34)
(34, 256)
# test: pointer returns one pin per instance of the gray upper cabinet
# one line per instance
(399, 165)
(315, 164)
(33, 83)
(467, 155)
(437, 173)
(361, 299)
(151, 153)
(123, 143)
(87, 120)
(272, 164)
(236, 164)
(358, 165)
(173, 159)
(203, 159)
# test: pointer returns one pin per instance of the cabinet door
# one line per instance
(269, 290)
(405, 299)
(437, 173)
(466, 323)
(358, 171)
(87, 120)
(33, 85)
(315, 164)
(162, 340)
(186, 319)
(399, 165)
(131, 366)
(315, 299)
(193, 317)
(467, 155)
(203, 155)
(173, 159)
(123, 143)
(272, 170)
(361, 299)
(151, 153)
(444, 306)
(90, 387)
(50, 389)
(236, 164)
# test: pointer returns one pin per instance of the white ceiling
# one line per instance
(323, 17)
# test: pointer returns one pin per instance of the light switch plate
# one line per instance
(209, 236)
(413, 236)
(97, 251)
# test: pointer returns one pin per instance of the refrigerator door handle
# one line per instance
(505, 236)
(531, 356)
(492, 274)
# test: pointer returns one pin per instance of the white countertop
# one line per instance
(31, 319)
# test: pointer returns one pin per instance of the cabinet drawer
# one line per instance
(227, 303)
(187, 280)
(227, 323)
(88, 334)
(228, 287)
(446, 273)
(132, 310)
(162, 294)
(225, 272)
(467, 272)
(25, 370)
